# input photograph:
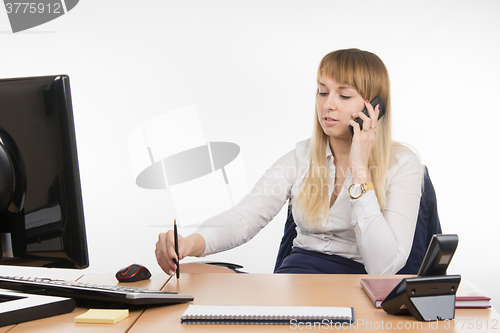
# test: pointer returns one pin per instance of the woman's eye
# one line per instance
(345, 96)
(322, 93)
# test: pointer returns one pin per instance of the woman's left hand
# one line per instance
(362, 143)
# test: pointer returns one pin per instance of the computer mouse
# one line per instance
(133, 273)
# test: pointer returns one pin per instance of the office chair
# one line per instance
(427, 225)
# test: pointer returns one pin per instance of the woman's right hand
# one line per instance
(193, 245)
(165, 251)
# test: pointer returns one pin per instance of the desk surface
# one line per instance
(260, 289)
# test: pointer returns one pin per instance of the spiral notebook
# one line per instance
(217, 314)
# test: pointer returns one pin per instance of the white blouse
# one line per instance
(355, 229)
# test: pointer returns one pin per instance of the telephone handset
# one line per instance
(376, 101)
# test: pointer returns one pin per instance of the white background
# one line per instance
(249, 67)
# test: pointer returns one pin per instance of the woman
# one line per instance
(355, 198)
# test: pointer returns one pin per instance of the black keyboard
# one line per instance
(90, 291)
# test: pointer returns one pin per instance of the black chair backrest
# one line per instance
(427, 225)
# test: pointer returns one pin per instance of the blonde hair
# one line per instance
(365, 72)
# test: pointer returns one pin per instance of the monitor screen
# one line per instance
(41, 208)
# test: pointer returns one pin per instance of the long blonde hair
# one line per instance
(365, 72)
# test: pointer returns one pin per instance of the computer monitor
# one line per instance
(41, 208)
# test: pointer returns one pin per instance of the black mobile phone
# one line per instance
(376, 101)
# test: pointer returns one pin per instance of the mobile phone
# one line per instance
(376, 101)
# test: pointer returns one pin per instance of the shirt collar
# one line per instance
(328, 150)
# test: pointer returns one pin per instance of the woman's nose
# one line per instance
(329, 104)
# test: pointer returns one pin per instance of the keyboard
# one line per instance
(90, 291)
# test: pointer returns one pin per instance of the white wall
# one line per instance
(249, 67)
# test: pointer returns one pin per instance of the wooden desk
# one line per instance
(259, 289)
(301, 290)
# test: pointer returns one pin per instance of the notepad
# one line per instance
(287, 315)
(98, 316)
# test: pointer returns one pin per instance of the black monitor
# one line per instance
(41, 209)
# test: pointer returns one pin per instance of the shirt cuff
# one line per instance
(365, 206)
(210, 237)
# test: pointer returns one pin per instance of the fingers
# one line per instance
(373, 112)
(161, 252)
(165, 252)
(355, 126)
(369, 121)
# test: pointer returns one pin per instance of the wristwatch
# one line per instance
(357, 190)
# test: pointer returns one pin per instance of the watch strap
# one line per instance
(367, 187)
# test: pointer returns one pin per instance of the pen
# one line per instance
(176, 244)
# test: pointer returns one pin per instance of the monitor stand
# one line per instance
(16, 307)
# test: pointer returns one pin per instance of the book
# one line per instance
(287, 315)
(467, 296)
(98, 316)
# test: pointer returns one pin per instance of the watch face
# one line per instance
(355, 190)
